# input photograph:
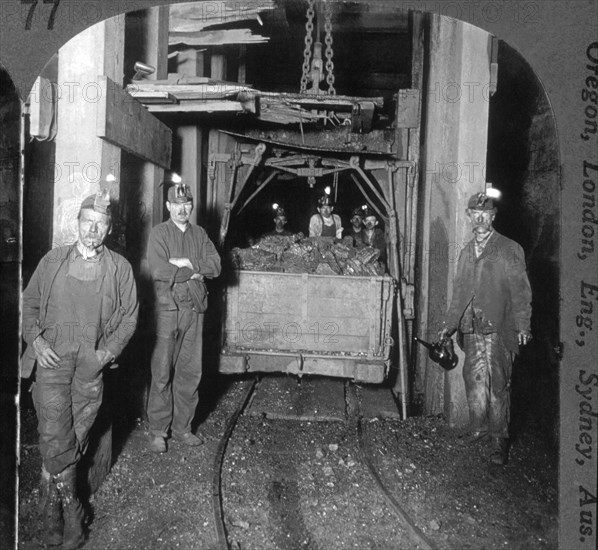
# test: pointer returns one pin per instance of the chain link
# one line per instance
(329, 52)
(309, 27)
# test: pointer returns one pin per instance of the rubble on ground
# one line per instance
(299, 254)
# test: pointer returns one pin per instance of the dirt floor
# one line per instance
(296, 484)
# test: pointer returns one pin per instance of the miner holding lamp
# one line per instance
(491, 309)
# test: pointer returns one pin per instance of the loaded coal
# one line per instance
(299, 254)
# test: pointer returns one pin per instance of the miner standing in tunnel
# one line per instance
(180, 256)
(79, 311)
(491, 309)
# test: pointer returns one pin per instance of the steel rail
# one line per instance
(415, 533)
(221, 534)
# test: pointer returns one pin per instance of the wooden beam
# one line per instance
(193, 16)
(123, 121)
(218, 64)
(190, 62)
(83, 160)
(198, 107)
(211, 90)
(157, 40)
(154, 97)
(216, 38)
(408, 109)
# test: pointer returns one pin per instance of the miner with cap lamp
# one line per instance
(324, 223)
(79, 312)
(355, 231)
(280, 220)
(491, 310)
(180, 256)
(372, 235)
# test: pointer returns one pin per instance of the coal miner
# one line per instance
(325, 223)
(180, 256)
(79, 311)
(372, 235)
(491, 309)
(355, 231)
(280, 220)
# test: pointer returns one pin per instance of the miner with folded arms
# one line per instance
(180, 256)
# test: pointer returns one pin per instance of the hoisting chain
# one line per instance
(328, 51)
(309, 27)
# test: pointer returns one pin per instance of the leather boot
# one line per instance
(72, 509)
(50, 510)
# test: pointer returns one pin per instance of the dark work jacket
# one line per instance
(274, 233)
(119, 302)
(167, 241)
(356, 235)
(496, 283)
(378, 240)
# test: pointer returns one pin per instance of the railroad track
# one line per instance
(413, 533)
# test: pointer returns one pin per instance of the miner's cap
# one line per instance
(480, 201)
(325, 200)
(179, 193)
(279, 212)
(367, 212)
(357, 212)
(98, 202)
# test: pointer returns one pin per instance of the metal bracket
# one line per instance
(306, 166)
(362, 116)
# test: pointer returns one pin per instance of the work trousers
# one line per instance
(67, 400)
(487, 374)
(176, 371)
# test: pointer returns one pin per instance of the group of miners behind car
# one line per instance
(80, 310)
(364, 229)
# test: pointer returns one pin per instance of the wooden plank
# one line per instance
(194, 16)
(214, 89)
(216, 38)
(153, 97)
(126, 123)
(156, 45)
(198, 107)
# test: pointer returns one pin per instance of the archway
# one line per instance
(10, 243)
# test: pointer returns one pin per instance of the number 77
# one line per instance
(32, 10)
